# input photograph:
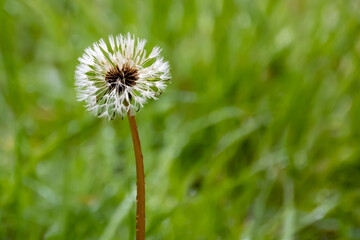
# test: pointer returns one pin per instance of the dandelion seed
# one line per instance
(118, 77)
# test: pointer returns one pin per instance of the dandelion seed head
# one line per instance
(118, 76)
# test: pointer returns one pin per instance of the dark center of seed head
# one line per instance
(119, 78)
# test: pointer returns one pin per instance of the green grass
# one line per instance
(257, 137)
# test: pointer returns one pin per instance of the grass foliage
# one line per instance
(257, 137)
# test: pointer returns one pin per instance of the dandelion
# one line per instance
(116, 78)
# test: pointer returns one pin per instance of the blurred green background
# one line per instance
(257, 137)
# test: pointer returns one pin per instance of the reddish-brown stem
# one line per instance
(140, 180)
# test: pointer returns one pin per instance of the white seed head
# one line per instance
(116, 77)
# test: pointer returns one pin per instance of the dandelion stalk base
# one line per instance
(140, 180)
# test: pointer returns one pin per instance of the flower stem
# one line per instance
(140, 180)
